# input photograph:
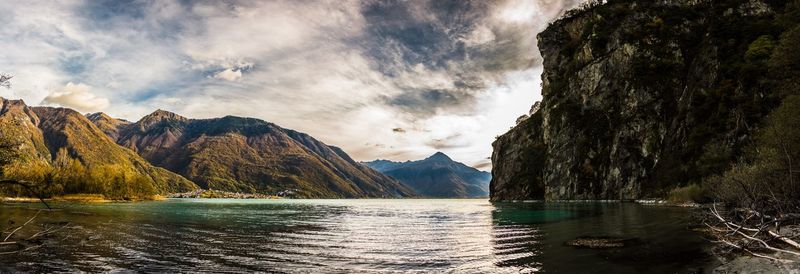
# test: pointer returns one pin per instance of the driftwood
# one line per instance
(9, 245)
(756, 231)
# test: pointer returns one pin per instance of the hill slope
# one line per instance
(250, 155)
(437, 176)
(31, 135)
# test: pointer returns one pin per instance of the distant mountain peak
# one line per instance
(437, 176)
(160, 113)
(439, 156)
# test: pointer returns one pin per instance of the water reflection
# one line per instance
(465, 236)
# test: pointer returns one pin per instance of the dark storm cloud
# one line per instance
(425, 32)
(463, 41)
(429, 101)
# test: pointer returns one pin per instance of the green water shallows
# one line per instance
(463, 236)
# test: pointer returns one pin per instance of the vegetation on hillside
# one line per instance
(57, 151)
(67, 175)
(237, 154)
(761, 190)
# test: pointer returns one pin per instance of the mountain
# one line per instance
(109, 126)
(250, 155)
(41, 137)
(641, 97)
(437, 176)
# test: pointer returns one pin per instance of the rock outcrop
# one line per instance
(639, 97)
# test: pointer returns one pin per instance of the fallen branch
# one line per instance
(784, 239)
(27, 187)
(23, 225)
(731, 229)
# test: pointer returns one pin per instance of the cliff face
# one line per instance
(517, 162)
(639, 97)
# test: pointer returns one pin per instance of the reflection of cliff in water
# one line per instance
(656, 238)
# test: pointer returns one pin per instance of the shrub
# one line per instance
(761, 48)
(767, 182)
(688, 194)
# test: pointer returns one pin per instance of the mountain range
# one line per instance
(177, 154)
(437, 176)
(248, 155)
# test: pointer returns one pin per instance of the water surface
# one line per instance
(462, 236)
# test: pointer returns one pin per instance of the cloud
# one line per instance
(481, 35)
(334, 69)
(483, 164)
(229, 74)
(77, 96)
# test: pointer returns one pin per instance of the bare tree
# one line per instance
(5, 80)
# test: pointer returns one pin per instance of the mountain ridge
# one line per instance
(437, 176)
(243, 154)
(37, 135)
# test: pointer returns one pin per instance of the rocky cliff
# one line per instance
(640, 97)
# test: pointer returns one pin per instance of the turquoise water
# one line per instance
(346, 236)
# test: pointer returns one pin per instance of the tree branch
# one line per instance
(27, 187)
(23, 225)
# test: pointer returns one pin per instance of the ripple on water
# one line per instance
(463, 236)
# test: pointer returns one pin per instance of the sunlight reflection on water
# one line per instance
(472, 236)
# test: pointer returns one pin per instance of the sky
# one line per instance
(397, 80)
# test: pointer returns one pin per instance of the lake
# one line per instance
(370, 235)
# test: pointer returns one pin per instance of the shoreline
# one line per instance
(78, 198)
(651, 202)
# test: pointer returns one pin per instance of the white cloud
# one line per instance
(481, 35)
(229, 74)
(77, 96)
